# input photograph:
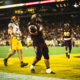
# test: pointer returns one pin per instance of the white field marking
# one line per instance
(13, 76)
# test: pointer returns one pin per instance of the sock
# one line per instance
(21, 62)
(6, 59)
(32, 66)
(48, 67)
(48, 70)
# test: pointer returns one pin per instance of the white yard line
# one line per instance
(13, 76)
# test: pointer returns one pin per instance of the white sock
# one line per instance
(48, 70)
(31, 67)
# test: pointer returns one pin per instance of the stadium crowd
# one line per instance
(53, 29)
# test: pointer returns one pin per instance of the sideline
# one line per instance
(13, 76)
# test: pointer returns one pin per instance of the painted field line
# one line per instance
(13, 76)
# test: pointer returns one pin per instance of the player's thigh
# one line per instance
(19, 45)
(38, 51)
(70, 45)
(45, 51)
(14, 43)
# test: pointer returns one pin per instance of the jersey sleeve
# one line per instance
(40, 27)
(10, 25)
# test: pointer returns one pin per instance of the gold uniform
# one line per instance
(16, 44)
(66, 33)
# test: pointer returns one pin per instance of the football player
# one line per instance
(15, 41)
(36, 32)
(67, 39)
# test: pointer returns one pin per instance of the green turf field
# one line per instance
(29, 52)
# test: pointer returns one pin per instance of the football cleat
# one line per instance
(5, 62)
(52, 72)
(67, 55)
(24, 64)
(49, 71)
(32, 70)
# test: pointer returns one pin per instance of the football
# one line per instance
(33, 28)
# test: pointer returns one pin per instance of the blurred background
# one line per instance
(54, 14)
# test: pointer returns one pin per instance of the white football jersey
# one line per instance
(16, 29)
